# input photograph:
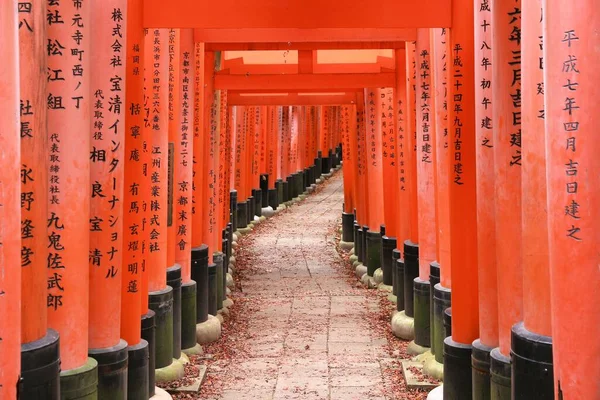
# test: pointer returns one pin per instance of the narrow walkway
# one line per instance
(301, 327)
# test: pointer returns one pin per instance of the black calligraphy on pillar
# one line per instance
(514, 18)
(571, 113)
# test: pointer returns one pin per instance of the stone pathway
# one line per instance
(302, 327)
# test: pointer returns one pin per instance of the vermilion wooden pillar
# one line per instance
(324, 133)
(183, 190)
(440, 284)
(10, 243)
(240, 165)
(463, 206)
(506, 84)
(272, 156)
(425, 162)
(411, 247)
(156, 107)
(362, 211)
(349, 184)
(571, 91)
(531, 344)
(403, 213)
(70, 104)
(390, 186)
(136, 193)
(36, 339)
(255, 164)
(486, 214)
(173, 270)
(374, 169)
(107, 85)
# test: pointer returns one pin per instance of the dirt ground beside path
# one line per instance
(301, 327)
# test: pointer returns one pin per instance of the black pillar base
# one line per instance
(273, 199)
(188, 314)
(264, 188)
(319, 164)
(293, 182)
(233, 208)
(347, 227)
(112, 371)
(358, 241)
(212, 289)
(441, 301)
(532, 368)
(174, 280)
(314, 174)
(373, 252)
(280, 191)
(299, 183)
(161, 302)
(411, 271)
(448, 321)
(286, 190)
(149, 335)
(422, 308)
(200, 275)
(388, 244)
(399, 284)
(226, 256)
(363, 246)
(220, 274)
(434, 279)
(499, 375)
(242, 214)
(396, 255)
(480, 371)
(306, 175)
(40, 368)
(457, 370)
(325, 165)
(257, 194)
(250, 210)
(137, 371)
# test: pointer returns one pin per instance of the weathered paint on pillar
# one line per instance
(134, 292)
(10, 186)
(374, 162)
(156, 107)
(390, 162)
(506, 84)
(400, 101)
(107, 129)
(426, 156)
(411, 148)
(463, 207)
(34, 168)
(182, 217)
(484, 147)
(69, 105)
(572, 98)
(198, 181)
(441, 66)
(240, 152)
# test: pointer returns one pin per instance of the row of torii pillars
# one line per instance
(476, 159)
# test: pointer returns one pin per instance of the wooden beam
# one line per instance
(292, 69)
(304, 81)
(291, 99)
(288, 45)
(305, 91)
(306, 39)
(302, 14)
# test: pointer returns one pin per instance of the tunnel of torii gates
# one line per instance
(137, 137)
